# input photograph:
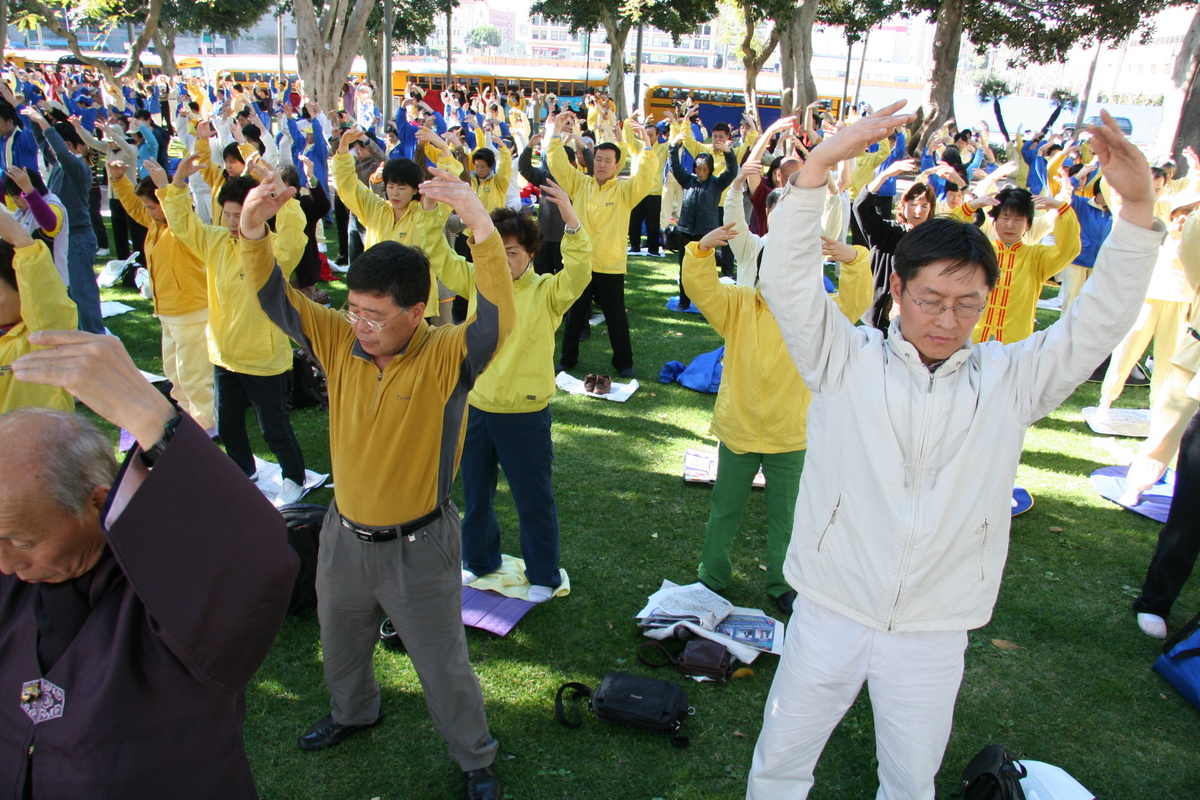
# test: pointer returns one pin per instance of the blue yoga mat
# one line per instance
(1109, 483)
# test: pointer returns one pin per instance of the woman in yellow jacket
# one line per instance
(508, 420)
(180, 292)
(762, 405)
(32, 298)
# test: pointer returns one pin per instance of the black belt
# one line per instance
(1195, 334)
(388, 534)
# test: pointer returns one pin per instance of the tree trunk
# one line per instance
(846, 82)
(618, 34)
(3, 33)
(1087, 90)
(54, 22)
(947, 42)
(371, 50)
(164, 43)
(1181, 111)
(787, 70)
(326, 47)
(753, 61)
(803, 17)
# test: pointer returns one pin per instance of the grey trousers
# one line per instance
(418, 584)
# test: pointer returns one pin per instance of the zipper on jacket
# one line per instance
(832, 519)
(912, 528)
(982, 532)
(375, 396)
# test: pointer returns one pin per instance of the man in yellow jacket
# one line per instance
(508, 422)
(32, 298)
(1012, 305)
(762, 405)
(604, 204)
(180, 293)
(397, 401)
(251, 356)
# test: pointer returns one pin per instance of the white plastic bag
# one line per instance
(113, 271)
(1048, 782)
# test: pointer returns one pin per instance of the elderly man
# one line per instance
(391, 540)
(901, 530)
(133, 607)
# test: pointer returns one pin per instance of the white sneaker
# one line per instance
(1152, 625)
(102, 252)
(540, 594)
(290, 493)
(634, 252)
(468, 577)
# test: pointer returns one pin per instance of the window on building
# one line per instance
(704, 44)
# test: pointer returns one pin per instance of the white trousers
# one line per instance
(913, 680)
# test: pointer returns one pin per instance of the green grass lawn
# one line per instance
(1077, 692)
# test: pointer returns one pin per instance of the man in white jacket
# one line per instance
(901, 529)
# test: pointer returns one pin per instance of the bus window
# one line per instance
(719, 97)
(526, 85)
(473, 84)
(681, 94)
(661, 92)
(700, 96)
(552, 87)
(539, 86)
(737, 98)
(768, 100)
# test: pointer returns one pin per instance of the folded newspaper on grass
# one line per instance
(747, 632)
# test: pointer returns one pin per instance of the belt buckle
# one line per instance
(365, 536)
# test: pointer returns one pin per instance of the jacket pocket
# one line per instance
(832, 519)
(982, 533)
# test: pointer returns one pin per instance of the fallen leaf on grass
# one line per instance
(654, 394)
(1056, 529)
(744, 672)
(609, 624)
(763, 567)
(654, 536)
(1004, 644)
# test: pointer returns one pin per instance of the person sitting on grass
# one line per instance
(901, 529)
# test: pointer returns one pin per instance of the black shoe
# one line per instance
(1098, 373)
(389, 638)
(785, 602)
(327, 733)
(1138, 377)
(628, 372)
(484, 784)
(585, 334)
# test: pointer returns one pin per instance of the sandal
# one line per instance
(603, 385)
(589, 382)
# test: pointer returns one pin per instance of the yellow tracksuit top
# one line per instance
(520, 378)
(864, 167)
(376, 213)
(240, 337)
(1021, 176)
(604, 210)
(762, 405)
(632, 144)
(492, 190)
(214, 174)
(45, 306)
(395, 435)
(180, 286)
(1012, 305)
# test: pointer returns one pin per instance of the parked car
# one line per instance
(1123, 123)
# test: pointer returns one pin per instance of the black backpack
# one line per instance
(992, 775)
(308, 381)
(304, 522)
(647, 704)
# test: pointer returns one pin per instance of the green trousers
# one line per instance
(735, 477)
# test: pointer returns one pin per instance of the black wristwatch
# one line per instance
(149, 457)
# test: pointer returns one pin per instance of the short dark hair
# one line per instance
(722, 127)
(12, 190)
(1018, 201)
(9, 114)
(1158, 172)
(520, 227)
(393, 270)
(7, 273)
(486, 156)
(252, 131)
(231, 151)
(609, 146)
(1052, 149)
(290, 176)
(235, 189)
(193, 105)
(943, 238)
(141, 113)
(68, 133)
(147, 189)
(404, 172)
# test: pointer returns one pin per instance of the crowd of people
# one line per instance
(470, 229)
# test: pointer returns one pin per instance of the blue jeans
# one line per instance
(81, 271)
(520, 444)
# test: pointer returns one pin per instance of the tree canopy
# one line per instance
(483, 36)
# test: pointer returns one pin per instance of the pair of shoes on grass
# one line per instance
(597, 384)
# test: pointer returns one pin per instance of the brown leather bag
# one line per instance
(700, 657)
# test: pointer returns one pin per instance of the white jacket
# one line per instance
(903, 517)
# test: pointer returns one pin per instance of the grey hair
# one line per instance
(74, 456)
(773, 198)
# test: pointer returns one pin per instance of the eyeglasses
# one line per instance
(934, 309)
(374, 326)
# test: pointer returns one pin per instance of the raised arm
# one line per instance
(44, 301)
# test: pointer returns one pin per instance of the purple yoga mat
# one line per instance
(1109, 483)
(492, 611)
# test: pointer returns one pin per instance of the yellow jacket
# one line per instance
(240, 337)
(696, 148)
(176, 274)
(864, 167)
(44, 307)
(762, 405)
(493, 189)
(214, 174)
(395, 435)
(1012, 305)
(376, 213)
(520, 378)
(604, 210)
(632, 144)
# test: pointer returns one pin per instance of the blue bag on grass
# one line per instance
(1180, 661)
